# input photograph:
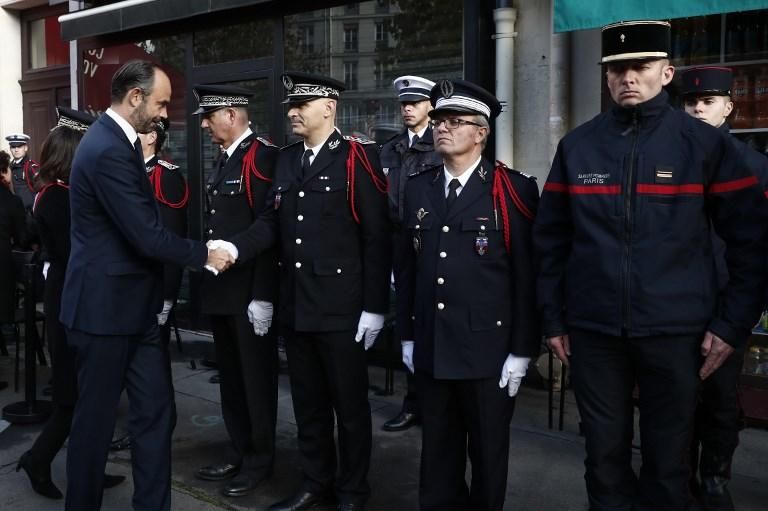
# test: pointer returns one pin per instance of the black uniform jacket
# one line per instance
(23, 173)
(400, 161)
(623, 234)
(461, 296)
(12, 232)
(172, 196)
(332, 268)
(228, 213)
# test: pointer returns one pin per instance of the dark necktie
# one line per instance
(223, 160)
(138, 149)
(305, 163)
(414, 140)
(452, 187)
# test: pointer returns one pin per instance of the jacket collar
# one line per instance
(644, 112)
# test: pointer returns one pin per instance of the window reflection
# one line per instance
(368, 44)
(253, 39)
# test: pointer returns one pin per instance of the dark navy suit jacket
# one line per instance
(113, 283)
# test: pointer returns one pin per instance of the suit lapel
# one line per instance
(436, 194)
(327, 154)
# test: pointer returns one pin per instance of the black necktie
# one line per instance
(137, 148)
(305, 163)
(223, 160)
(452, 187)
(414, 140)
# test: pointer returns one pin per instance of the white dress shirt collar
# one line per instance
(463, 177)
(231, 149)
(420, 134)
(124, 125)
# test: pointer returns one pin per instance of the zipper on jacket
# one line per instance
(628, 209)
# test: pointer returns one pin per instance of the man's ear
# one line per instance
(135, 97)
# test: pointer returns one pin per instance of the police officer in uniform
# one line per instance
(706, 93)
(240, 301)
(627, 283)
(328, 208)
(172, 195)
(402, 157)
(23, 169)
(465, 301)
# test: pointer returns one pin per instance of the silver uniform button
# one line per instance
(441, 306)
(300, 218)
(298, 241)
(301, 194)
(498, 323)
(215, 192)
(327, 188)
(213, 211)
(210, 231)
(446, 228)
(482, 227)
(338, 271)
(440, 280)
(443, 255)
(298, 265)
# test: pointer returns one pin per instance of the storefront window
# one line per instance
(231, 43)
(368, 44)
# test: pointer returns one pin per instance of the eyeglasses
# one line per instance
(451, 123)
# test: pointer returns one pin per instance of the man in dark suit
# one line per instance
(402, 157)
(329, 206)
(465, 300)
(113, 292)
(240, 303)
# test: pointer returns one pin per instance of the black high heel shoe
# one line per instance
(39, 478)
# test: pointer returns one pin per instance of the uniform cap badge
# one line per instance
(446, 88)
(623, 38)
(287, 82)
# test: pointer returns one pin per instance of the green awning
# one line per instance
(584, 14)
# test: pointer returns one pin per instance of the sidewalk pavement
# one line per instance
(545, 466)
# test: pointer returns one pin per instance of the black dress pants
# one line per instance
(604, 371)
(460, 417)
(718, 419)
(248, 370)
(105, 366)
(329, 376)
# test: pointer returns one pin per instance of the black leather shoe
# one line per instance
(240, 486)
(403, 421)
(301, 501)
(39, 477)
(218, 471)
(350, 507)
(121, 444)
(110, 480)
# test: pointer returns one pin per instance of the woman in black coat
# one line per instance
(12, 232)
(51, 211)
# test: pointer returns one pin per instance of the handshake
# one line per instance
(221, 255)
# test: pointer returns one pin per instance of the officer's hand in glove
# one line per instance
(162, 317)
(407, 349)
(260, 314)
(512, 373)
(369, 327)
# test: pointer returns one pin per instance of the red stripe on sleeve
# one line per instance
(694, 189)
(583, 189)
(732, 186)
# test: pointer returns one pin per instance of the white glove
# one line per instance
(46, 265)
(512, 373)
(368, 327)
(260, 314)
(407, 350)
(162, 317)
(226, 245)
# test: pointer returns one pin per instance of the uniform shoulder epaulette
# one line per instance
(265, 142)
(168, 165)
(515, 171)
(291, 145)
(359, 140)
